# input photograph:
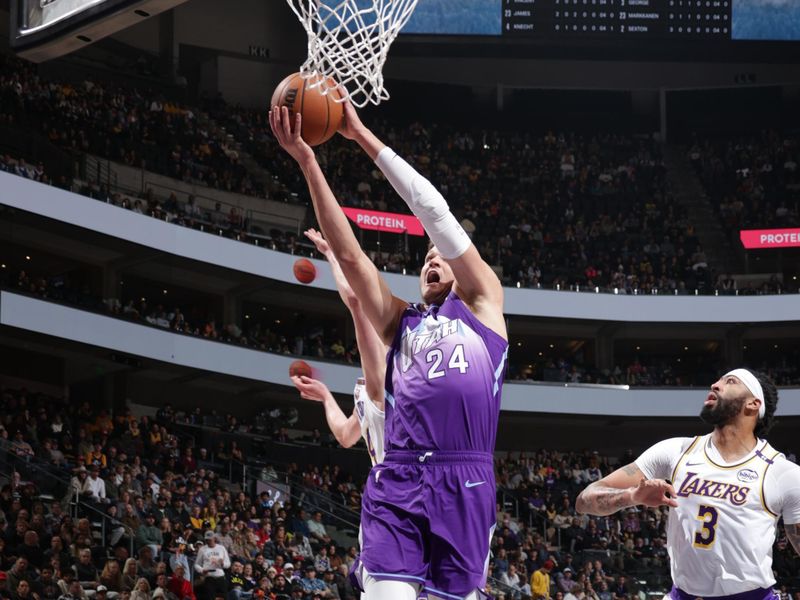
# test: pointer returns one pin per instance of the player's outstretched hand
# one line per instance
(311, 389)
(654, 492)
(288, 137)
(319, 241)
(351, 126)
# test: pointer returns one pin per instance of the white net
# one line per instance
(348, 41)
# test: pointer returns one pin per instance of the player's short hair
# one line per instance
(766, 422)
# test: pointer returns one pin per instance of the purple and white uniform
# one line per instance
(429, 510)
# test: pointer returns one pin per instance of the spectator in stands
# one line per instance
(178, 556)
(149, 535)
(565, 581)
(281, 588)
(73, 592)
(317, 530)
(145, 566)
(620, 590)
(179, 586)
(500, 562)
(540, 581)
(23, 591)
(96, 457)
(58, 553)
(512, 579)
(161, 588)
(111, 577)
(177, 513)
(94, 486)
(46, 587)
(30, 548)
(211, 562)
(141, 590)
(130, 575)
(311, 585)
(239, 587)
(102, 593)
(329, 579)
(85, 571)
(18, 573)
(20, 446)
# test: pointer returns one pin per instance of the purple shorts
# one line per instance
(427, 518)
(757, 594)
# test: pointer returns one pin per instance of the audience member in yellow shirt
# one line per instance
(540, 581)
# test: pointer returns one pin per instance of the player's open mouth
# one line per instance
(711, 398)
(432, 277)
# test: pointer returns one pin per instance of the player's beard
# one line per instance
(436, 297)
(723, 411)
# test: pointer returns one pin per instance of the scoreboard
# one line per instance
(614, 19)
(573, 22)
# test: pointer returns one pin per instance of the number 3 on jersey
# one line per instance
(704, 538)
(457, 361)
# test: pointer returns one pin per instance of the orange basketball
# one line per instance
(304, 270)
(300, 368)
(321, 114)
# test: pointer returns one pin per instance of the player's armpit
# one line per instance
(793, 534)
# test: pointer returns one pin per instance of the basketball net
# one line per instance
(348, 41)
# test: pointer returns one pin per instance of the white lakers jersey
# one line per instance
(721, 534)
(372, 421)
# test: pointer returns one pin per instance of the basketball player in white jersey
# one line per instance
(726, 491)
(368, 418)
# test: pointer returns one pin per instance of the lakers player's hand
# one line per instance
(319, 241)
(654, 492)
(288, 134)
(311, 389)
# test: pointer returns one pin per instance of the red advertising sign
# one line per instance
(384, 221)
(770, 238)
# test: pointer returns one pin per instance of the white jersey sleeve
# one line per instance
(372, 421)
(659, 460)
(782, 490)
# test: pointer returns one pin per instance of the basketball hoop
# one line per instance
(348, 41)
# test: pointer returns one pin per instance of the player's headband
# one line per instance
(751, 383)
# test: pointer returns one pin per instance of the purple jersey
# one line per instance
(443, 380)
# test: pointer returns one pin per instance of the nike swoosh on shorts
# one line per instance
(471, 484)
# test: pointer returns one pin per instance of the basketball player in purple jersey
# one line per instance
(428, 510)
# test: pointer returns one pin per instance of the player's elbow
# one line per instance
(344, 438)
(352, 301)
(349, 257)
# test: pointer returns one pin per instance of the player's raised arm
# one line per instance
(370, 346)
(623, 488)
(476, 283)
(346, 292)
(346, 430)
(382, 309)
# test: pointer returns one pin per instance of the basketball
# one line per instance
(300, 368)
(322, 115)
(304, 270)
